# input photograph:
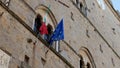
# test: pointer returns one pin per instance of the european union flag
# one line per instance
(58, 34)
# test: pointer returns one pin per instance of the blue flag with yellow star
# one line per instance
(58, 34)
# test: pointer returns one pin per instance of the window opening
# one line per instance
(37, 23)
(81, 5)
(39, 27)
(81, 63)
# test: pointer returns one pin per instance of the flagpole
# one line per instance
(45, 17)
(57, 45)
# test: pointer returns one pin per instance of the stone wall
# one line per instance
(14, 39)
(98, 33)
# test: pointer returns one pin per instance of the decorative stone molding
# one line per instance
(86, 59)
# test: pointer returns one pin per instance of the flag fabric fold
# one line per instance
(43, 29)
(58, 34)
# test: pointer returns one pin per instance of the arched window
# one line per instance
(86, 60)
(46, 17)
(49, 20)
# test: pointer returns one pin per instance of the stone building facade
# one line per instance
(91, 29)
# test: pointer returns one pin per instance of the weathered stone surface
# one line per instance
(13, 38)
(99, 34)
